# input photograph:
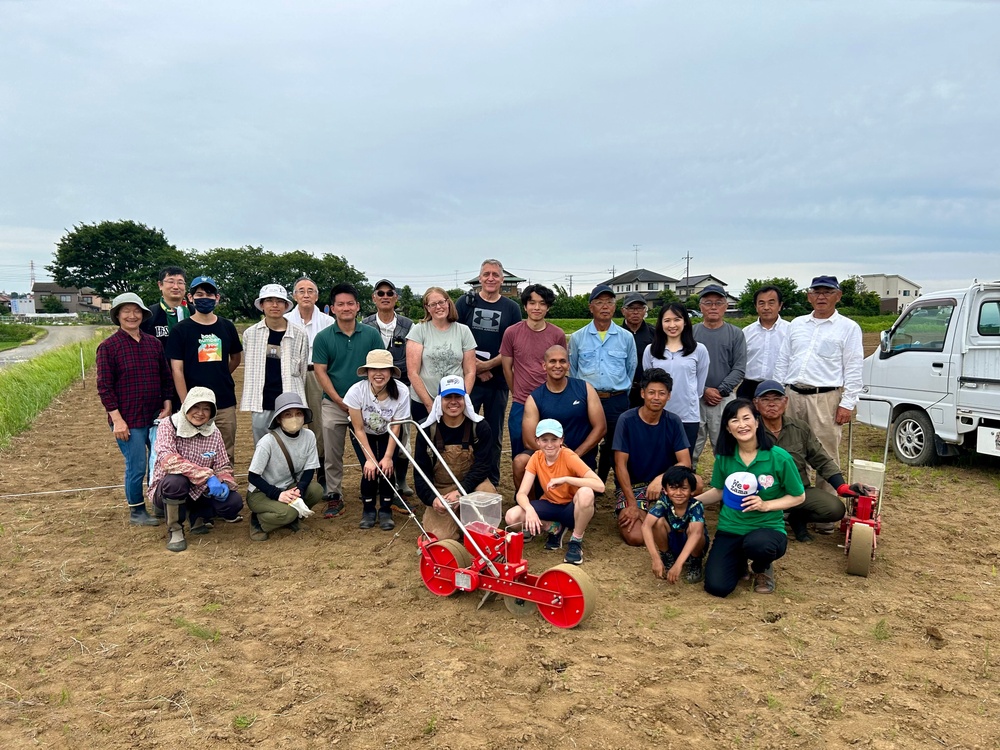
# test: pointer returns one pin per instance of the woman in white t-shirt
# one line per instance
(438, 346)
(372, 404)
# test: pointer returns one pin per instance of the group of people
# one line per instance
(637, 399)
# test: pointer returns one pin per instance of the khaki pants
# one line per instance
(335, 422)
(314, 400)
(441, 525)
(225, 420)
(819, 411)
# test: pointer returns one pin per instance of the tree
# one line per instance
(855, 297)
(668, 296)
(114, 257)
(51, 304)
(410, 305)
(565, 306)
(794, 299)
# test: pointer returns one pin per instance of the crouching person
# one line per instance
(465, 442)
(192, 478)
(567, 492)
(674, 528)
(281, 477)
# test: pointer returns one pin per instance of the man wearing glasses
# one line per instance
(820, 365)
(308, 316)
(604, 355)
(393, 328)
(727, 352)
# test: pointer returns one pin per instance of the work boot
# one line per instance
(367, 513)
(158, 511)
(403, 488)
(175, 529)
(257, 534)
(200, 526)
(385, 521)
(139, 517)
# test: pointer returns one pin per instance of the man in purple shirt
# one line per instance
(134, 384)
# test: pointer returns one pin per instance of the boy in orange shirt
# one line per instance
(568, 487)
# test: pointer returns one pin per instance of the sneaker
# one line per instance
(528, 536)
(334, 505)
(694, 571)
(199, 526)
(233, 520)
(574, 552)
(667, 559)
(554, 540)
(824, 528)
(257, 534)
(763, 583)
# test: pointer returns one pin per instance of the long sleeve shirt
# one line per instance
(823, 353)
(608, 364)
(133, 377)
(763, 346)
(806, 450)
(727, 354)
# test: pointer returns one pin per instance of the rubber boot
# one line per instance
(139, 517)
(175, 529)
(402, 487)
(367, 513)
(385, 521)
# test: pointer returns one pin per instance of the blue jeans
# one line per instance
(136, 451)
(494, 403)
(514, 420)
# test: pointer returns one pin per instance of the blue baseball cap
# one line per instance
(830, 282)
(769, 386)
(549, 427)
(203, 281)
(601, 289)
(713, 289)
(451, 385)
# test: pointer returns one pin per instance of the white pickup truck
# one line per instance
(938, 371)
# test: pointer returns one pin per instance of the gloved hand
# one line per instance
(845, 490)
(302, 508)
(217, 488)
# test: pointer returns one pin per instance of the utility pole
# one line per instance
(636, 248)
(31, 274)
(612, 271)
(570, 279)
(456, 278)
(687, 273)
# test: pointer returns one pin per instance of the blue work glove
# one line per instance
(217, 488)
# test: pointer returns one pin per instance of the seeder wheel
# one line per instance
(859, 553)
(519, 607)
(445, 553)
(578, 593)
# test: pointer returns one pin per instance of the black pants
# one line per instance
(613, 407)
(747, 389)
(494, 404)
(377, 487)
(727, 560)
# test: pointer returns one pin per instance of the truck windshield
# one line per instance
(924, 329)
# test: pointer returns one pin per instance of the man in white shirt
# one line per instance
(820, 365)
(306, 314)
(764, 338)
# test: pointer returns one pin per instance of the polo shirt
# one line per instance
(343, 354)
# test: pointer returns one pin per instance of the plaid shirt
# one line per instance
(132, 377)
(294, 363)
(197, 458)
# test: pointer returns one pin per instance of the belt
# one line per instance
(609, 394)
(310, 367)
(812, 390)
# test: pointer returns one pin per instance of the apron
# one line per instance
(460, 458)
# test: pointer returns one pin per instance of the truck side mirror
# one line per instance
(883, 345)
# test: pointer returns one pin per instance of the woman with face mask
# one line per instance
(372, 404)
(282, 471)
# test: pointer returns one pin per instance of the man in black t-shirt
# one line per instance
(488, 314)
(204, 350)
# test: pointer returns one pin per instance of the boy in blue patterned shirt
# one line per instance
(674, 528)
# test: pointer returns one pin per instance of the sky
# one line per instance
(568, 139)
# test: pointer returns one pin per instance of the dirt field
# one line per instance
(329, 638)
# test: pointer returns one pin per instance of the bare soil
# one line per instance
(329, 638)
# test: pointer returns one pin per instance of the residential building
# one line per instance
(649, 284)
(894, 291)
(693, 285)
(84, 300)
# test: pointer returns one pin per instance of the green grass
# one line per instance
(29, 387)
(244, 721)
(13, 334)
(882, 632)
(196, 630)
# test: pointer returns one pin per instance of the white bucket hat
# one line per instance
(128, 298)
(277, 291)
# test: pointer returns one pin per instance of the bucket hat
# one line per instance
(128, 298)
(277, 291)
(379, 359)
(284, 402)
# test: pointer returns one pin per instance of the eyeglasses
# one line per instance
(384, 293)
(439, 303)
(305, 293)
(824, 292)
(716, 303)
(602, 302)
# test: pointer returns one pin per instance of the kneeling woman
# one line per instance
(756, 481)
(193, 476)
(282, 470)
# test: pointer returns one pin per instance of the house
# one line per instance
(508, 288)
(84, 300)
(894, 291)
(693, 285)
(649, 284)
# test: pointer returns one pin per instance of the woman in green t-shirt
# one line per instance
(756, 481)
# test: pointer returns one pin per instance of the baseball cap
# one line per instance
(549, 427)
(634, 299)
(451, 385)
(825, 281)
(601, 289)
(384, 282)
(769, 386)
(203, 281)
(713, 289)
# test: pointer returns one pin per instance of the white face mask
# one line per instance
(292, 424)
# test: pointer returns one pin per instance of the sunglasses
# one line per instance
(384, 293)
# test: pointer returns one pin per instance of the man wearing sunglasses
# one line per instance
(820, 366)
(393, 327)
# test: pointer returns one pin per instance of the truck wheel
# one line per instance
(913, 438)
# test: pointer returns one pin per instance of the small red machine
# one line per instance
(862, 523)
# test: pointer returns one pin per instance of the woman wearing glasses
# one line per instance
(437, 346)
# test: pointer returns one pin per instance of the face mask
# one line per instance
(204, 305)
(292, 425)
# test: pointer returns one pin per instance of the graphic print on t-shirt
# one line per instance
(485, 320)
(209, 348)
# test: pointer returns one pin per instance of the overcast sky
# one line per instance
(417, 138)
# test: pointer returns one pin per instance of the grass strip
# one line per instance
(29, 387)
(17, 333)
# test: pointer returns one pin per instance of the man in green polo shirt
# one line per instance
(338, 351)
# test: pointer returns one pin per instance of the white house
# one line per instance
(895, 291)
(642, 281)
